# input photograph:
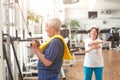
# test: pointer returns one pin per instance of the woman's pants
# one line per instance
(98, 71)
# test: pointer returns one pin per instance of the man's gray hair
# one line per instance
(55, 22)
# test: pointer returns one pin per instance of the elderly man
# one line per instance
(52, 52)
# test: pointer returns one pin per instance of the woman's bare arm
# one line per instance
(98, 42)
(95, 46)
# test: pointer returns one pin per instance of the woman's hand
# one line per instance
(107, 42)
(97, 46)
(99, 42)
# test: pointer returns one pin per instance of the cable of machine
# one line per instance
(29, 33)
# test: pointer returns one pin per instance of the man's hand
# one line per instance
(35, 44)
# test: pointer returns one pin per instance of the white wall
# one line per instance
(2, 69)
(112, 19)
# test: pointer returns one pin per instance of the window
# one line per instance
(92, 14)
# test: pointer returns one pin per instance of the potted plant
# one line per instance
(33, 17)
(74, 23)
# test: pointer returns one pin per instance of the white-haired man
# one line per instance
(51, 53)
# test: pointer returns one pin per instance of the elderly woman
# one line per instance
(93, 55)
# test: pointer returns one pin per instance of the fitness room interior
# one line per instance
(22, 21)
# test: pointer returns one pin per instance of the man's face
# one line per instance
(49, 30)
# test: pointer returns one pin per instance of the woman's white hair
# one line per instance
(55, 22)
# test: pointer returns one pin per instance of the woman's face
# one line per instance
(93, 34)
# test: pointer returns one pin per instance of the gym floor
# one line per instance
(111, 67)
